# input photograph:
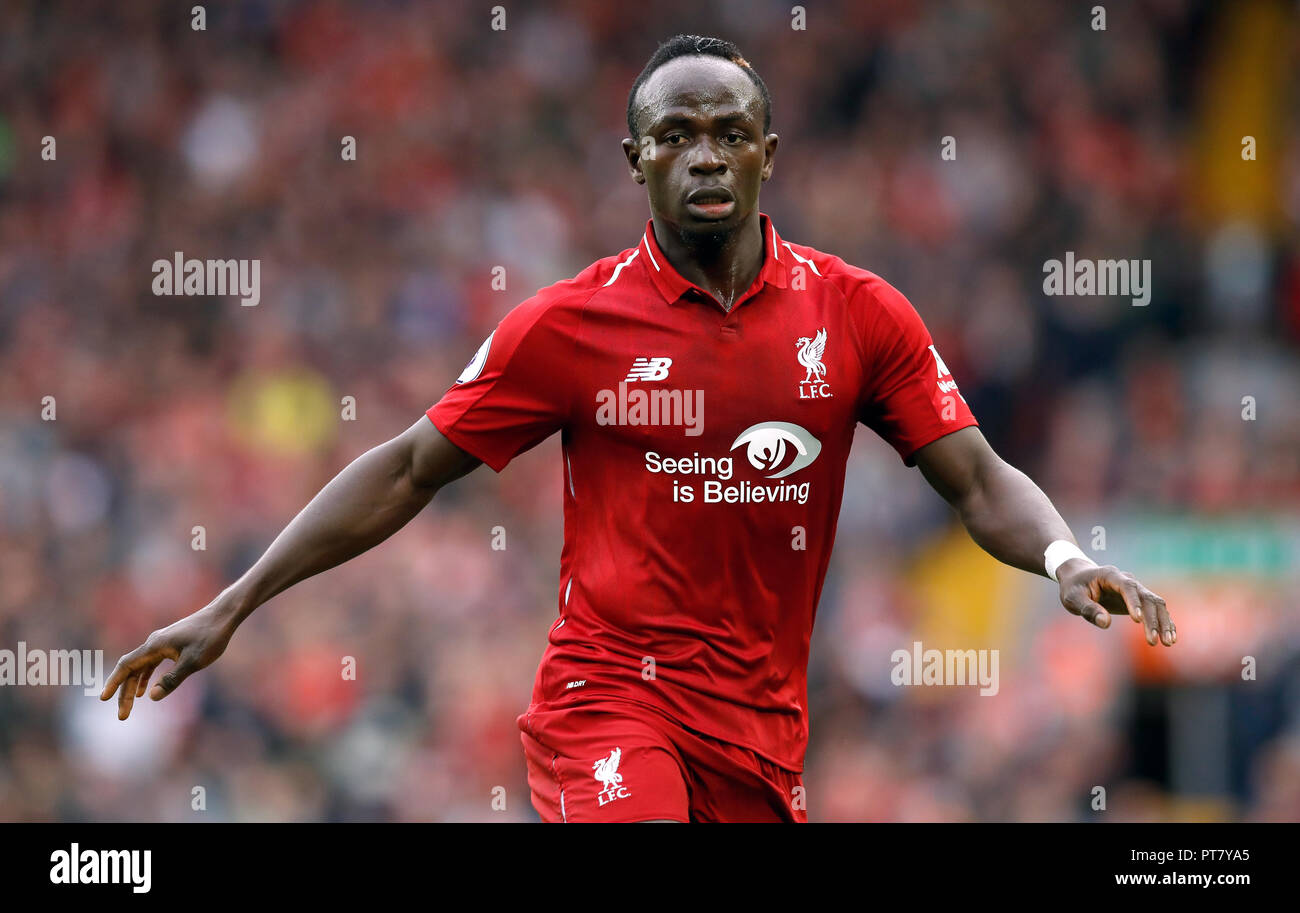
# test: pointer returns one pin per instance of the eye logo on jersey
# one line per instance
(649, 369)
(769, 442)
(475, 365)
(811, 350)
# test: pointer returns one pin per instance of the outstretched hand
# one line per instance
(1098, 592)
(193, 643)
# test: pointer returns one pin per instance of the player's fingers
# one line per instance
(1091, 612)
(1168, 633)
(171, 680)
(150, 653)
(126, 697)
(1150, 618)
(1114, 588)
(1129, 590)
(125, 666)
(145, 674)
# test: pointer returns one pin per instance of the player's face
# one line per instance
(702, 153)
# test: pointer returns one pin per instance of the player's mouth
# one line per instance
(711, 203)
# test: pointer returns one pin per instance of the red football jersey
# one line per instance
(704, 459)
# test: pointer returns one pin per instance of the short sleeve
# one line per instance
(909, 398)
(514, 392)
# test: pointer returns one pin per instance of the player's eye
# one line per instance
(674, 136)
(734, 137)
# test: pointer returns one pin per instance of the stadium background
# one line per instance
(479, 148)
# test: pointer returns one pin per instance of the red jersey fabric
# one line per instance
(704, 459)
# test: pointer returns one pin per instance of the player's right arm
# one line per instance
(375, 496)
(514, 393)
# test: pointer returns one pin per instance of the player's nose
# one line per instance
(707, 158)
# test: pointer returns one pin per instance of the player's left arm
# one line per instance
(1010, 518)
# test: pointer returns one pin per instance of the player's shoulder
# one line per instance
(864, 291)
(566, 299)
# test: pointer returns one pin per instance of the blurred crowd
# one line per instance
(134, 427)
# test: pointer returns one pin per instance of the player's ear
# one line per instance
(632, 150)
(769, 154)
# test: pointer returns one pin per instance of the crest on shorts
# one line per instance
(611, 781)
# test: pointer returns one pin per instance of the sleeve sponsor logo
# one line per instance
(475, 365)
(945, 386)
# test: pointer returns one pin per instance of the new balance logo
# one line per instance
(649, 369)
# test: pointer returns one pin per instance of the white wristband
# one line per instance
(1059, 552)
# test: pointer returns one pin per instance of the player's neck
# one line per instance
(724, 265)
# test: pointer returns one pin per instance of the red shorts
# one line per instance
(618, 761)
